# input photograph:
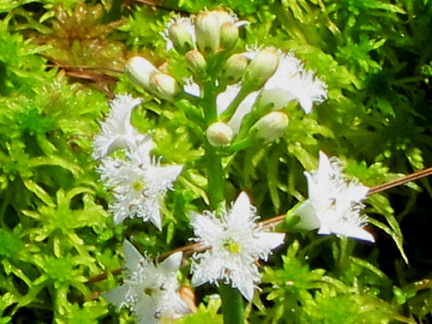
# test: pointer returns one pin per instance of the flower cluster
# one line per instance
(334, 202)
(289, 81)
(139, 182)
(239, 96)
(261, 79)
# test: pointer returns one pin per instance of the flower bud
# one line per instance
(229, 36)
(207, 29)
(222, 16)
(140, 71)
(270, 127)
(180, 37)
(262, 67)
(164, 86)
(195, 62)
(219, 134)
(234, 68)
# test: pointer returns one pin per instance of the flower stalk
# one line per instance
(232, 305)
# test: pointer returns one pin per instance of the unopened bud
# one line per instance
(196, 62)
(229, 36)
(222, 16)
(262, 67)
(270, 127)
(140, 71)
(219, 134)
(180, 37)
(235, 67)
(207, 29)
(164, 86)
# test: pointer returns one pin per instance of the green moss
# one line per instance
(61, 61)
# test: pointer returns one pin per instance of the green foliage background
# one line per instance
(60, 63)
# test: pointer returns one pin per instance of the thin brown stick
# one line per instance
(56, 63)
(408, 178)
(84, 67)
(91, 76)
(160, 4)
(187, 250)
(104, 275)
(272, 222)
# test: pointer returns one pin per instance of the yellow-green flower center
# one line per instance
(149, 291)
(138, 186)
(232, 246)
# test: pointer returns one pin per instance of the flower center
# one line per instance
(232, 247)
(138, 186)
(150, 291)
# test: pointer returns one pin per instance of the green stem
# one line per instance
(209, 103)
(232, 305)
(343, 254)
(229, 112)
(232, 301)
(240, 145)
(216, 179)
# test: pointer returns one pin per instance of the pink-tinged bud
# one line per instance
(140, 71)
(219, 134)
(260, 69)
(270, 127)
(229, 36)
(164, 86)
(196, 62)
(234, 69)
(180, 37)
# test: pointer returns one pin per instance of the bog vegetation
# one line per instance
(72, 235)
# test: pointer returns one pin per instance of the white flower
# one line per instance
(236, 243)
(138, 184)
(291, 82)
(289, 66)
(149, 291)
(117, 131)
(224, 99)
(334, 202)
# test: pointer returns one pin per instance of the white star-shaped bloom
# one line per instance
(138, 184)
(291, 82)
(236, 242)
(117, 131)
(334, 202)
(149, 291)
